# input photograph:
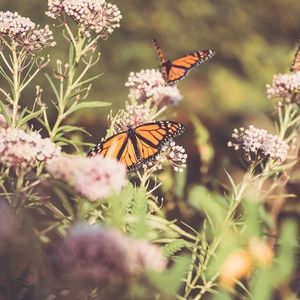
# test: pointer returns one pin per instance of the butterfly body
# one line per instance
(173, 71)
(138, 145)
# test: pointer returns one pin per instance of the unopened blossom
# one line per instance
(174, 154)
(258, 143)
(150, 84)
(22, 151)
(237, 266)
(92, 15)
(285, 86)
(103, 256)
(24, 32)
(94, 178)
(132, 115)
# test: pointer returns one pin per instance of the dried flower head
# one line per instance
(90, 15)
(132, 115)
(258, 143)
(24, 32)
(94, 178)
(173, 154)
(23, 151)
(103, 256)
(150, 84)
(286, 87)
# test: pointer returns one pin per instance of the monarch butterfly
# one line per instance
(296, 62)
(138, 145)
(176, 70)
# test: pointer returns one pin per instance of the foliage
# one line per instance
(154, 233)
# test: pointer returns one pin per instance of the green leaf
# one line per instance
(30, 116)
(5, 114)
(252, 220)
(71, 128)
(88, 80)
(170, 281)
(139, 226)
(286, 257)
(173, 247)
(53, 87)
(89, 104)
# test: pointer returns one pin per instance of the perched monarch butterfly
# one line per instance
(138, 145)
(176, 70)
(296, 62)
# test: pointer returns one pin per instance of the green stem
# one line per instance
(16, 84)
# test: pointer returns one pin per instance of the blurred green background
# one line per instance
(253, 40)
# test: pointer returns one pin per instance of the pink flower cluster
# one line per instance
(150, 84)
(91, 15)
(259, 143)
(94, 178)
(132, 115)
(174, 154)
(23, 151)
(24, 32)
(104, 256)
(285, 86)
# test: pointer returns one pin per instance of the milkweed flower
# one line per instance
(150, 84)
(174, 154)
(92, 15)
(102, 256)
(258, 143)
(24, 32)
(285, 86)
(132, 115)
(94, 178)
(23, 151)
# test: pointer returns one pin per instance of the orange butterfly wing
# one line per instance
(151, 137)
(180, 67)
(140, 145)
(296, 62)
(118, 146)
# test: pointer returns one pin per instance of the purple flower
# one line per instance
(103, 256)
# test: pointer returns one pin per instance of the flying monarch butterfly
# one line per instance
(179, 68)
(296, 62)
(138, 145)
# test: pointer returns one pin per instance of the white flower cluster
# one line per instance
(285, 86)
(132, 115)
(95, 178)
(174, 154)
(24, 32)
(260, 143)
(23, 151)
(150, 84)
(92, 15)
